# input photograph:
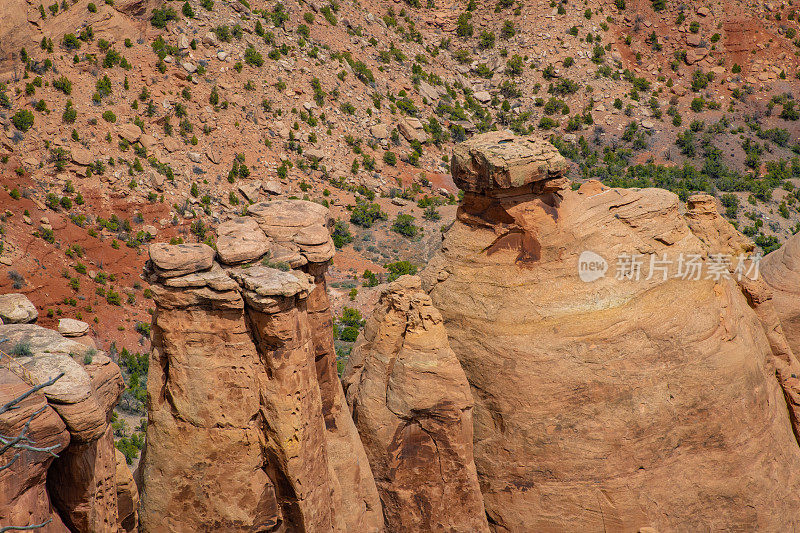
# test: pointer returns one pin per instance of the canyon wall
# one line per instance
(781, 271)
(247, 430)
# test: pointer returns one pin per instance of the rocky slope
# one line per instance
(340, 101)
(643, 401)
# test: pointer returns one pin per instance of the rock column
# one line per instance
(413, 408)
(235, 368)
(619, 401)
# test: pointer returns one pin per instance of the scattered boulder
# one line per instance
(483, 96)
(410, 133)
(129, 132)
(171, 145)
(82, 156)
(16, 308)
(250, 190)
(379, 131)
(273, 187)
(69, 327)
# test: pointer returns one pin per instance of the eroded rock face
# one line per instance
(413, 409)
(24, 499)
(235, 373)
(127, 495)
(82, 482)
(612, 404)
(781, 270)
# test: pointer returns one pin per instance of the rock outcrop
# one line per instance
(781, 270)
(245, 428)
(643, 398)
(23, 492)
(413, 409)
(82, 482)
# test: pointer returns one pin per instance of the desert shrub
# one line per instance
(22, 349)
(160, 17)
(22, 120)
(63, 84)
(400, 268)
(70, 42)
(187, 10)
(365, 214)
(252, 57)
(341, 234)
(390, 158)
(404, 225)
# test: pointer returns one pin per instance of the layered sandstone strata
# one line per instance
(80, 484)
(246, 431)
(413, 409)
(612, 404)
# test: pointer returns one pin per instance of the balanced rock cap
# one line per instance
(299, 229)
(172, 260)
(502, 160)
(241, 240)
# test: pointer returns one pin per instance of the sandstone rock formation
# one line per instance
(81, 484)
(413, 409)
(501, 160)
(17, 309)
(69, 327)
(127, 496)
(23, 494)
(644, 401)
(246, 429)
(721, 239)
(781, 270)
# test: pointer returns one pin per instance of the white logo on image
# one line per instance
(591, 266)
